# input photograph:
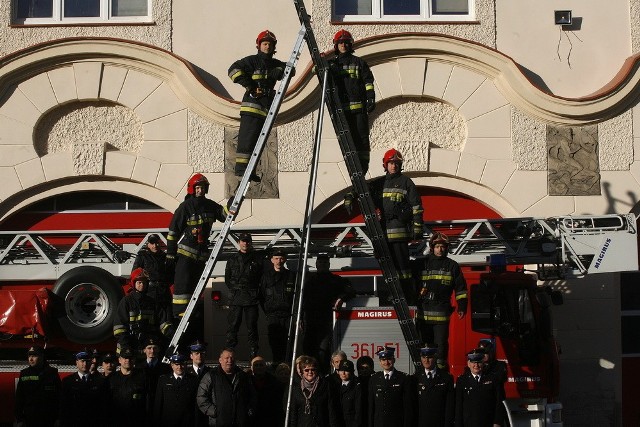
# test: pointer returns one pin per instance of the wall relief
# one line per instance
(573, 168)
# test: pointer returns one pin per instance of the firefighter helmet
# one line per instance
(266, 35)
(138, 275)
(342, 36)
(438, 238)
(390, 155)
(197, 179)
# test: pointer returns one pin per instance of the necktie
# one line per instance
(179, 379)
(386, 377)
(84, 378)
(429, 375)
(478, 379)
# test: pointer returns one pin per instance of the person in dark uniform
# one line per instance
(258, 75)
(434, 392)
(226, 395)
(437, 278)
(354, 84)
(153, 260)
(109, 364)
(83, 397)
(498, 368)
(348, 396)
(390, 394)
(198, 369)
(242, 276)
(137, 316)
(129, 393)
(364, 366)
(37, 392)
(175, 400)
(479, 396)
(188, 249)
(269, 394)
(324, 293)
(153, 366)
(277, 288)
(311, 404)
(337, 357)
(400, 206)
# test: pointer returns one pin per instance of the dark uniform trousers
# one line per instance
(236, 313)
(175, 401)
(479, 404)
(390, 402)
(83, 402)
(435, 399)
(38, 396)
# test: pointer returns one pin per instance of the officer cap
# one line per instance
(198, 346)
(150, 341)
(35, 350)
(346, 365)
(386, 353)
(84, 355)
(178, 358)
(278, 252)
(476, 355)
(126, 353)
(486, 343)
(245, 237)
(322, 257)
(428, 350)
(154, 238)
(110, 358)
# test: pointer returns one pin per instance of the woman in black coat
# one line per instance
(310, 402)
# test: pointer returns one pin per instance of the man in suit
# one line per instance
(390, 400)
(434, 392)
(153, 366)
(197, 351)
(83, 396)
(175, 400)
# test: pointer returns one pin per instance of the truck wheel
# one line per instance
(88, 302)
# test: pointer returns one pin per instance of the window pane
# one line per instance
(81, 8)
(34, 9)
(352, 7)
(129, 8)
(401, 7)
(630, 334)
(629, 291)
(451, 7)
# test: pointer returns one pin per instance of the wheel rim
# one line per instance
(86, 305)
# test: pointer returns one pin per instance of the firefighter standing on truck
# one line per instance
(354, 84)
(188, 247)
(153, 260)
(258, 75)
(437, 277)
(396, 197)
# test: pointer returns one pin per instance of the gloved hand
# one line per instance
(170, 265)
(418, 233)
(371, 105)
(348, 203)
(275, 73)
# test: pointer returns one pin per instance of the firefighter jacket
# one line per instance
(348, 402)
(191, 226)
(320, 294)
(400, 206)
(479, 404)
(83, 402)
(390, 401)
(258, 75)
(154, 264)
(129, 398)
(321, 411)
(354, 82)
(138, 316)
(242, 276)
(228, 400)
(437, 278)
(153, 370)
(38, 395)
(435, 396)
(277, 291)
(175, 401)
(269, 393)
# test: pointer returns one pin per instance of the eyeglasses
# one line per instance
(309, 370)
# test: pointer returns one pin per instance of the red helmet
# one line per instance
(342, 36)
(266, 35)
(390, 155)
(197, 179)
(438, 237)
(138, 275)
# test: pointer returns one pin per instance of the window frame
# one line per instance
(426, 14)
(104, 18)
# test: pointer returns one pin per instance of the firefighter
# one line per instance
(434, 392)
(354, 84)
(109, 364)
(138, 316)
(258, 75)
(437, 277)
(188, 247)
(491, 365)
(324, 293)
(390, 398)
(37, 392)
(153, 260)
(242, 276)
(197, 368)
(175, 397)
(400, 206)
(83, 397)
(152, 365)
(129, 393)
(479, 396)
(348, 396)
(277, 287)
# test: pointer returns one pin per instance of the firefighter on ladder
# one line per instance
(258, 75)
(188, 245)
(437, 277)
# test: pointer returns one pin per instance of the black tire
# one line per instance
(88, 300)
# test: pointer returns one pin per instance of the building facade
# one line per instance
(491, 99)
